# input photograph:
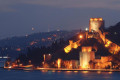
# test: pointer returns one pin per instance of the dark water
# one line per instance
(64, 75)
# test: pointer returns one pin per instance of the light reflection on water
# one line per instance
(57, 75)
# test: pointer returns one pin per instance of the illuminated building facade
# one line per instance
(71, 64)
(71, 45)
(103, 63)
(95, 24)
(86, 56)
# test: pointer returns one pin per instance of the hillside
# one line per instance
(114, 33)
(15, 45)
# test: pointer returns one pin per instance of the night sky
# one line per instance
(17, 17)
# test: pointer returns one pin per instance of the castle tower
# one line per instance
(85, 56)
(95, 24)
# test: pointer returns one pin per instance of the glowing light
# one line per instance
(98, 72)
(68, 71)
(80, 36)
(75, 71)
(59, 63)
(91, 19)
(26, 35)
(75, 45)
(10, 67)
(33, 29)
(67, 49)
(72, 45)
(44, 57)
(33, 42)
(55, 35)
(86, 29)
(85, 72)
(44, 71)
(85, 65)
(4, 57)
(110, 72)
(100, 19)
(95, 19)
(29, 61)
(49, 38)
(18, 49)
(108, 44)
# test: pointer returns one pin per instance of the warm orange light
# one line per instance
(29, 61)
(108, 44)
(49, 38)
(110, 72)
(99, 72)
(71, 45)
(75, 45)
(100, 19)
(80, 36)
(44, 57)
(91, 19)
(32, 43)
(10, 67)
(67, 49)
(95, 19)
(68, 71)
(75, 71)
(85, 72)
(59, 63)
(18, 49)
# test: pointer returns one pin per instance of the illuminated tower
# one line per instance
(86, 56)
(95, 24)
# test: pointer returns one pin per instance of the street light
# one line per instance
(80, 36)
(86, 29)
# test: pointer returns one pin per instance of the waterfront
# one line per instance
(57, 75)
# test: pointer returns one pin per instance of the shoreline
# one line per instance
(90, 70)
(62, 69)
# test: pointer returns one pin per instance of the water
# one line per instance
(64, 75)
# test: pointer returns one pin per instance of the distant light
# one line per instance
(10, 67)
(49, 54)
(33, 29)
(86, 29)
(58, 29)
(26, 35)
(5, 57)
(18, 49)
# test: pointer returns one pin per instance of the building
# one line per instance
(71, 64)
(86, 56)
(95, 24)
(104, 62)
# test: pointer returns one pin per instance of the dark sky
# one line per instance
(17, 17)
